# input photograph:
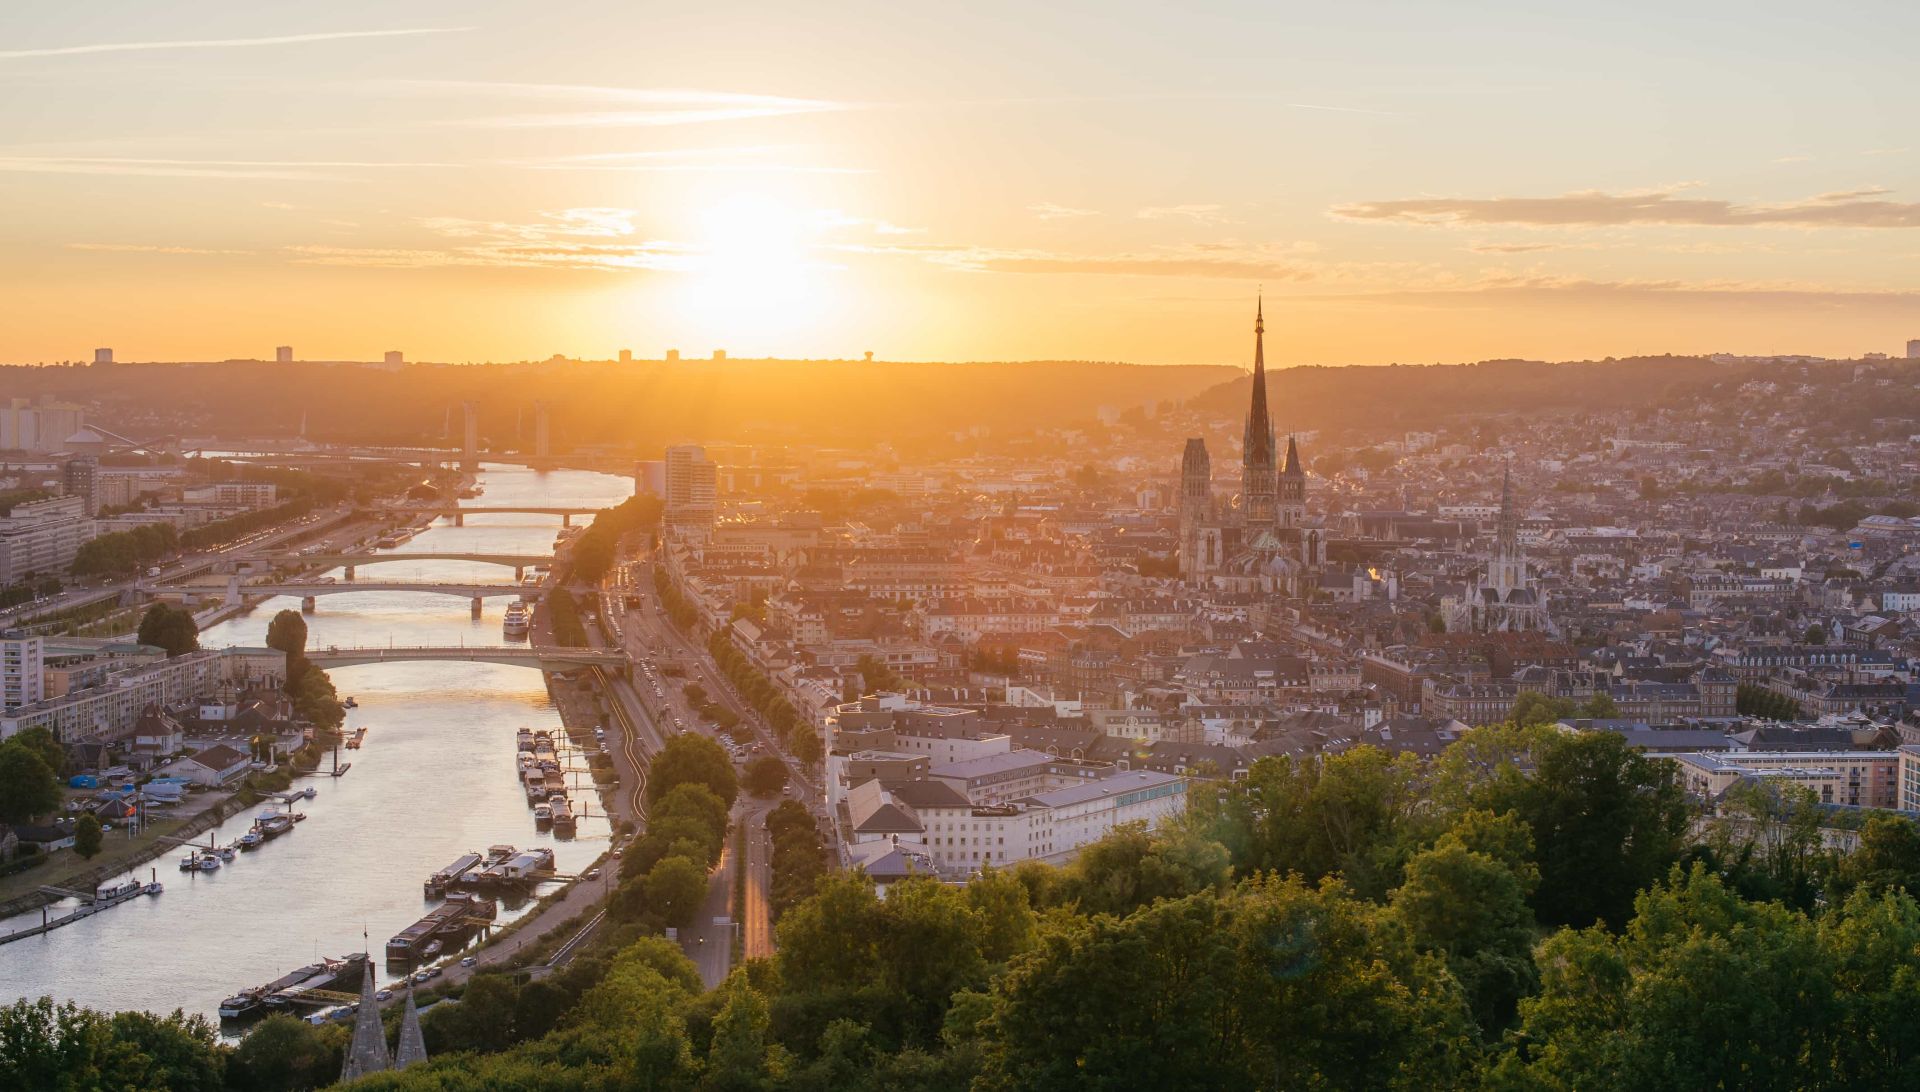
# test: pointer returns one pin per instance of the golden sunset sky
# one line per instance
(1413, 182)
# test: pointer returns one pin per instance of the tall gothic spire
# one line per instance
(1257, 443)
(367, 1052)
(1509, 528)
(1292, 467)
(413, 1045)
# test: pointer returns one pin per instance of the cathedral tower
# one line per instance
(1293, 488)
(1196, 509)
(1257, 478)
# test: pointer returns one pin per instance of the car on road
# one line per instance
(383, 995)
(593, 874)
(468, 961)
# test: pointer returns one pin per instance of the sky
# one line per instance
(1410, 182)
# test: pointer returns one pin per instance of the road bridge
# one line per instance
(310, 590)
(459, 513)
(521, 655)
(351, 561)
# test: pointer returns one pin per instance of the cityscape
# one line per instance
(1176, 657)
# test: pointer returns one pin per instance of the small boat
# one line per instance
(542, 816)
(517, 621)
(341, 770)
(190, 862)
(153, 887)
(226, 853)
(249, 840)
(358, 738)
(208, 863)
(299, 817)
(130, 886)
(349, 704)
(524, 739)
(432, 949)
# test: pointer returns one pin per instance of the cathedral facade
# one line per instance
(1263, 539)
(1503, 599)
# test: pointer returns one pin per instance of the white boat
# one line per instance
(129, 886)
(208, 863)
(517, 621)
(154, 887)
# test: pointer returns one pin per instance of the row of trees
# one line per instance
(663, 874)
(595, 551)
(680, 612)
(799, 856)
(122, 552)
(793, 731)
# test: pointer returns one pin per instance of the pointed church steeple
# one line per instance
(367, 1052)
(413, 1045)
(1257, 483)
(1257, 443)
(1508, 535)
(1292, 467)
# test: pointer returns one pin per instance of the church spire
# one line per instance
(1257, 443)
(367, 1052)
(413, 1045)
(1509, 527)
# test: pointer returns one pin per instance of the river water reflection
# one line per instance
(437, 777)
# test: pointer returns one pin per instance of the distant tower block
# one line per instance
(283, 355)
(626, 356)
(395, 357)
(1913, 349)
(470, 441)
(719, 354)
(673, 356)
(542, 436)
(103, 356)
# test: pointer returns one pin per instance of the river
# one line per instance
(436, 778)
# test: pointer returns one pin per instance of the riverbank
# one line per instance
(149, 845)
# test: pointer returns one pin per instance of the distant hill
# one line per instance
(648, 403)
(1399, 397)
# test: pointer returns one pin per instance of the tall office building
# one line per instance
(283, 355)
(1913, 349)
(22, 670)
(626, 356)
(690, 486)
(79, 476)
(395, 357)
(103, 356)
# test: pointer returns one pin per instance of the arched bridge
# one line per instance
(353, 560)
(461, 512)
(310, 590)
(522, 655)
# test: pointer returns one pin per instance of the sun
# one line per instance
(752, 277)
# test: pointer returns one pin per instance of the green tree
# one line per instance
(282, 1054)
(1471, 908)
(1816, 634)
(86, 837)
(1702, 990)
(41, 742)
(676, 887)
(288, 633)
(1606, 822)
(742, 1057)
(692, 758)
(766, 776)
(27, 787)
(1887, 858)
(169, 627)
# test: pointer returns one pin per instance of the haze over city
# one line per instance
(1409, 182)
(1222, 547)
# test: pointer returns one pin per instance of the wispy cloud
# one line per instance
(592, 239)
(1246, 263)
(1863, 208)
(615, 107)
(1542, 290)
(741, 160)
(149, 248)
(1047, 210)
(285, 170)
(1509, 248)
(1199, 214)
(220, 43)
(1794, 159)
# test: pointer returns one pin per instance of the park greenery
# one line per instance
(1530, 909)
(119, 553)
(169, 627)
(1753, 700)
